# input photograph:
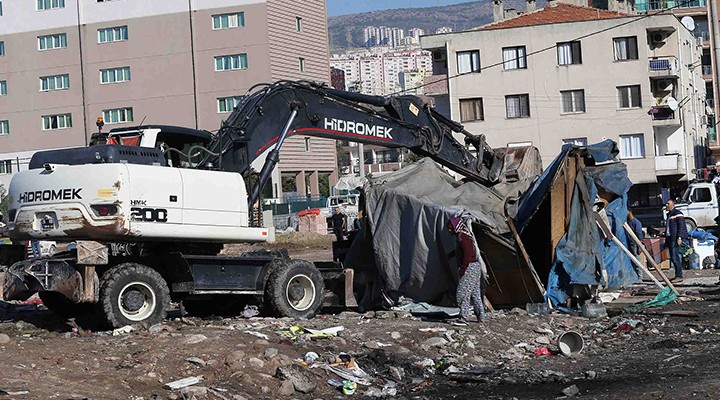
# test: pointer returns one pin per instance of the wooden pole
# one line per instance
(649, 257)
(605, 228)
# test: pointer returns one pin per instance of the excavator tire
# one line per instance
(133, 294)
(295, 289)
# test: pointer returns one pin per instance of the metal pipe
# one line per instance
(715, 48)
(271, 161)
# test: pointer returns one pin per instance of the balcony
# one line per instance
(660, 67)
(664, 116)
(669, 165)
(652, 5)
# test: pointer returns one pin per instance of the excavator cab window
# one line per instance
(180, 143)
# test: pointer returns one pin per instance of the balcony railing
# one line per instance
(662, 113)
(668, 163)
(663, 66)
(645, 5)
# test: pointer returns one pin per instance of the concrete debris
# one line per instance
(123, 331)
(571, 391)
(197, 361)
(195, 339)
(185, 382)
(302, 379)
(4, 339)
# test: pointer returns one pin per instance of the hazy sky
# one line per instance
(340, 7)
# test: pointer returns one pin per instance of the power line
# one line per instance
(542, 50)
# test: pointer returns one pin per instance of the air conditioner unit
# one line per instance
(699, 41)
(703, 120)
(658, 37)
(662, 85)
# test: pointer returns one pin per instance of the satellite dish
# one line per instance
(672, 103)
(689, 23)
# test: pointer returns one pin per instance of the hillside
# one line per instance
(347, 30)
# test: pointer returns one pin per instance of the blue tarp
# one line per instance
(583, 253)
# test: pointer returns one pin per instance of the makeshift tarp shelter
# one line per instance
(534, 250)
(556, 220)
(413, 251)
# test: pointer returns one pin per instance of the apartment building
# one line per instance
(698, 11)
(64, 63)
(574, 74)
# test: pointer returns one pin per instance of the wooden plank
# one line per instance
(637, 241)
(557, 214)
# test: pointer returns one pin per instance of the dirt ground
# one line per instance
(664, 357)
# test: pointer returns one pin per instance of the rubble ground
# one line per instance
(662, 357)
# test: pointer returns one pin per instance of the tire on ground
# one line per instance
(294, 289)
(133, 294)
(690, 225)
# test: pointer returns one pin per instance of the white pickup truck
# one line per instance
(699, 204)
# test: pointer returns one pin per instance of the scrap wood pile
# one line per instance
(554, 237)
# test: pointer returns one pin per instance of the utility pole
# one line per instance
(361, 159)
(715, 47)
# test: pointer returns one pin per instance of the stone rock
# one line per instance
(173, 396)
(395, 335)
(372, 345)
(384, 314)
(271, 352)
(4, 339)
(195, 339)
(571, 391)
(402, 350)
(234, 360)
(286, 388)
(369, 315)
(256, 363)
(425, 363)
(434, 342)
(542, 340)
(303, 380)
(397, 373)
(196, 360)
(197, 391)
(591, 374)
(517, 311)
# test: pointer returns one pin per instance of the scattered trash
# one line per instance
(250, 311)
(346, 367)
(537, 308)
(258, 335)
(349, 387)
(433, 330)
(311, 357)
(296, 331)
(543, 351)
(626, 325)
(122, 331)
(197, 361)
(594, 310)
(185, 382)
(570, 343)
(665, 297)
(671, 358)
(335, 383)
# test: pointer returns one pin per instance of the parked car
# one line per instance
(699, 205)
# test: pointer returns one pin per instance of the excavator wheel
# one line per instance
(295, 289)
(133, 294)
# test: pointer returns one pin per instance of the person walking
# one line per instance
(472, 272)
(675, 234)
(338, 222)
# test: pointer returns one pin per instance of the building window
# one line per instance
(115, 75)
(569, 53)
(301, 62)
(53, 122)
(625, 48)
(116, 34)
(517, 106)
(298, 24)
(118, 115)
(6, 167)
(4, 127)
(0, 8)
(227, 104)
(49, 42)
(468, 61)
(471, 110)
(629, 96)
(632, 146)
(231, 62)
(582, 142)
(307, 144)
(228, 21)
(55, 82)
(2, 48)
(3, 88)
(514, 58)
(50, 4)
(573, 101)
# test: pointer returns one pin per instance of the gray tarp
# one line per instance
(409, 210)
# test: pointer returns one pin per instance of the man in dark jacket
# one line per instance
(675, 233)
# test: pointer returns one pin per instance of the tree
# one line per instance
(4, 201)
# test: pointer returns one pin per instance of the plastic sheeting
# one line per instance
(583, 256)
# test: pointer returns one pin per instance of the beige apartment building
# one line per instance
(64, 63)
(573, 74)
